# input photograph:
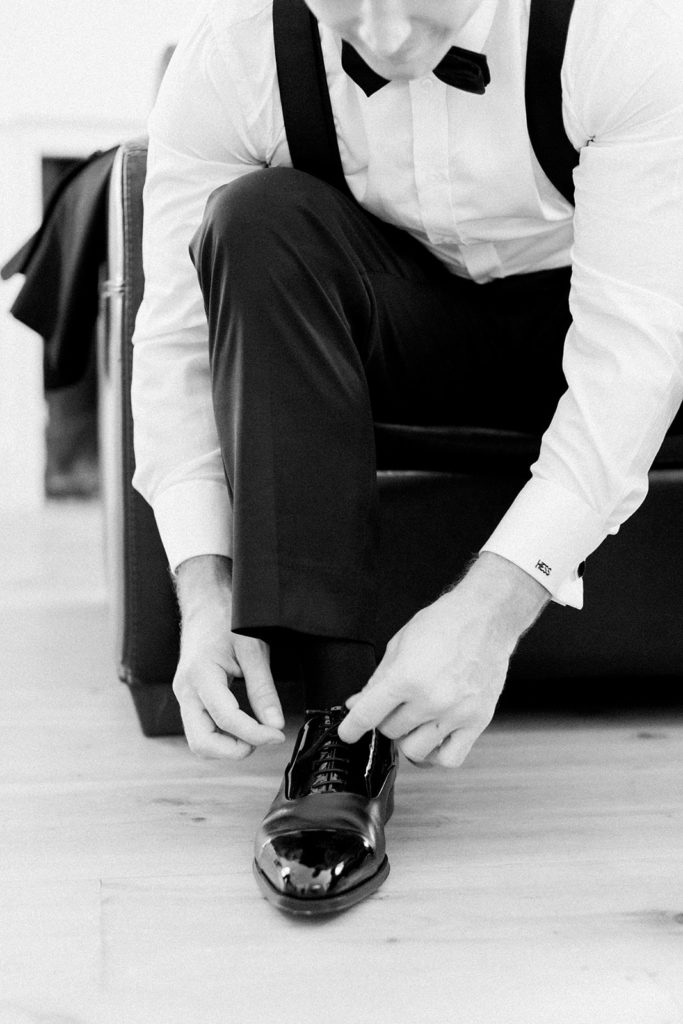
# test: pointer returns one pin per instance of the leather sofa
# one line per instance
(442, 492)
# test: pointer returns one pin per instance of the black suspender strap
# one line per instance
(548, 28)
(306, 106)
(307, 110)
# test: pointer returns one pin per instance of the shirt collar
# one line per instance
(474, 32)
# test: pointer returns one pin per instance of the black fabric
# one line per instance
(311, 133)
(331, 670)
(323, 319)
(59, 298)
(548, 28)
(18, 263)
(463, 69)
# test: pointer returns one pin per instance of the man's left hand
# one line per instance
(437, 686)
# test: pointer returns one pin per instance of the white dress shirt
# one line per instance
(457, 171)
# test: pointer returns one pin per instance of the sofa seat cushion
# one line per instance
(479, 450)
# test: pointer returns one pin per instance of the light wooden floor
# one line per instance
(539, 884)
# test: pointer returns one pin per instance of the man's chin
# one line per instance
(400, 70)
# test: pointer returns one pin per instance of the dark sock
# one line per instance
(333, 669)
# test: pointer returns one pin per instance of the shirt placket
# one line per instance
(431, 160)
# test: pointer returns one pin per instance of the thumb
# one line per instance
(261, 690)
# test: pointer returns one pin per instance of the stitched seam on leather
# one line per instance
(131, 553)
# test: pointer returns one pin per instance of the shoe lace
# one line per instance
(330, 762)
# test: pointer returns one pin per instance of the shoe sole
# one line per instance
(326, 905)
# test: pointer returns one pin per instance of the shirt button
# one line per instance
(426, 83)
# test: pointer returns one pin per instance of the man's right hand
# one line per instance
(211, 656)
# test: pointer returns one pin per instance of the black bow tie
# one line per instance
(463, 69)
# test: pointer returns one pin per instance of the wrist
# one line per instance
(204, 584)
(515, 598)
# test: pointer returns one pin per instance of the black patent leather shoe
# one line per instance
(320, 847)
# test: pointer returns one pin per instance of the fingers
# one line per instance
(419, 743)
(214, 724)
(455, 749)
(222, 705)
(202, 736)
(263, 697)
(427, 746)
(372, 706)
(402, 721)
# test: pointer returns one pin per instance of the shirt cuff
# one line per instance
(194, 518)
(549, 532)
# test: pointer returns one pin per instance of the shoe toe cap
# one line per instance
(313, 864)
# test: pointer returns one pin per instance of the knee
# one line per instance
(265, 202)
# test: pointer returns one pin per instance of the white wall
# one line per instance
(75, 75)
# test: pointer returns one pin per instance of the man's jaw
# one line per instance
(402, 67)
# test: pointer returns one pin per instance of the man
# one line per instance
(440, 295)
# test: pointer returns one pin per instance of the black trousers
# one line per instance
(322, 320)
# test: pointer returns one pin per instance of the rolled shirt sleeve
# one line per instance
(623, 355)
